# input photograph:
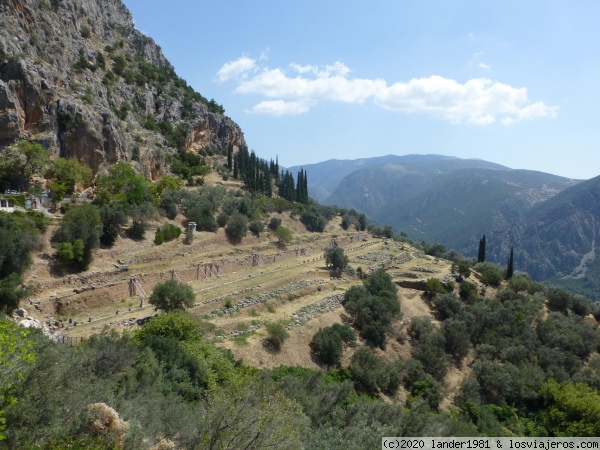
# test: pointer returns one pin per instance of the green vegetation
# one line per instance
(277, 334)
(78, 235)
(166, 233)
(172, 295)
(19, 163)
(481, 252)
(237, 227)
(65, 175)
(373, 306)
(327, 343)
(336, 259)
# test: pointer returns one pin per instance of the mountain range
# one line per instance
(551, 221)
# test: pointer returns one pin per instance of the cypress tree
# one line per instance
(230, 157)
(510, 268)
(481, 255)
(305, 188)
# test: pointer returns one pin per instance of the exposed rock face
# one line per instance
(77, 77)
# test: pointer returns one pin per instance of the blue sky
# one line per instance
(512, 82)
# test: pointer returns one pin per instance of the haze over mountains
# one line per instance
(551, 221)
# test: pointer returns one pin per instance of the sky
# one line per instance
(512, 82)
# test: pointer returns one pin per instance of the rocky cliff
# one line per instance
(77, 77)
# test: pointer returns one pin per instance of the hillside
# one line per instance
(78, 78)
(327, 175)
(454, 202)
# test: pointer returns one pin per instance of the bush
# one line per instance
(468, 291)
(277, 334)
(274, 223)
(433, 286)
(256, 227)
(167, 233)
(159, 238)
(222, 219)
(172, 295)
(491, 274)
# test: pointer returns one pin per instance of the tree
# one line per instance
(113, 220)
(15, 355)
(509, 267)
(491, 274)
(166, 183)
(248, 414)
(19, 163)
(140, 215)
(371, 313)
(124, 185)
(81, 222)
(284, 235)
(67, 173)
(571, 409)
(336, 259)
(327, 343)
(230, 156)
(237, 226)
(481, 253)
(172, 295)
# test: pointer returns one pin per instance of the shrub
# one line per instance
(274, 223)
(433, 286)
(468, 291)
(222, 219)
(491, 274)
(256, 227)
(277, 334)
(159, 237)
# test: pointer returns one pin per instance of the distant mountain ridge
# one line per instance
(327, 175)
(551, 221)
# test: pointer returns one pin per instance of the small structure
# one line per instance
(7, 205)
(192, 226)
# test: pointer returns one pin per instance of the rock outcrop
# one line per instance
(77, 77)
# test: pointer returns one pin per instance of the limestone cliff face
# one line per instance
(77, 77)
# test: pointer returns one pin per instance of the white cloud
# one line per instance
(484, 66)
(234, 70)
(280, 108)
(479, 101)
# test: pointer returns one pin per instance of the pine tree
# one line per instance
(510, 268)
(481, 255)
